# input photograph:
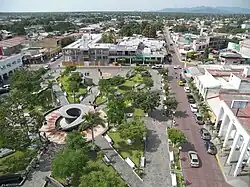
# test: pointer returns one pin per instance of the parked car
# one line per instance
(52, 60)
(180, 83)
(210, 148)
(177, 67)
(186, 89)
(193, 108)
(198, 118)
(205, 135)
(194, 159)
(190, 99)
(157, 66)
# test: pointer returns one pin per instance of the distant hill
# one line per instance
(209, 10)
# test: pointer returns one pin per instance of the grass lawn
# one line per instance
(100, 99)
(16, 162)
(64, 80)
(137, 78)
(138, 112)
(127, 150)
(129, 83)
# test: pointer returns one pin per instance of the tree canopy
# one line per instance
(146, 101)
(132, 130)
(176, 136)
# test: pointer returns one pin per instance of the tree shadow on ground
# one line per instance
(181, 114)
(158, 115)
(188, 146)
(170, 78)
(153, 141)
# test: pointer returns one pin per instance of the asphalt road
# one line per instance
(209, 174)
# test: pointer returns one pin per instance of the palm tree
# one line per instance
(38, 122)
(91, 120)
(50, 86)
(74, 87)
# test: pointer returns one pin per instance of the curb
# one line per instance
(221, 167)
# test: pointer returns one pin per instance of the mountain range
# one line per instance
(209, 10)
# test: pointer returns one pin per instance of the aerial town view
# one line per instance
(124, 94)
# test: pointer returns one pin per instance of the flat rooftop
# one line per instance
(12, 42)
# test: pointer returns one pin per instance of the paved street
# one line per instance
(157, 154)
(209, 174)
(37, 176)
(121, 166)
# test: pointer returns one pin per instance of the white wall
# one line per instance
(235, 81)
(10, 63)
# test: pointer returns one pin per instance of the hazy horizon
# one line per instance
(111, 5)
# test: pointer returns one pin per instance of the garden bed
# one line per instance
(64, 81)
(16, 162)
(133, 151)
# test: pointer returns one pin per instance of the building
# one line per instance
(9, 64)
(217, 41)
(128, 50)
(222, 87)
(245, 26)
(231, 58)
(245, 49)
(218, 79)
(11, 46)
(233, 127)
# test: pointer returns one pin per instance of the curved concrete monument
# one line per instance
(73, 115)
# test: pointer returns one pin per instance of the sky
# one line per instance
(110, 5)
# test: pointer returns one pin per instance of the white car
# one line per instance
(194, 160)
(193, 108)
(157, 67)
(177, 67)
(186, 89)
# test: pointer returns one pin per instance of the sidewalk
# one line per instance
(242, 180)
(118, 163)
(91, 96)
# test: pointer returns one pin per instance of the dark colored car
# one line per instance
(190, 99)
(210, 148)
(205, 135)
(198, 119)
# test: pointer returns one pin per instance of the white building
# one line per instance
(135, 49)
(220, 86)
(245, 26)
(234, 131)
(9, 64)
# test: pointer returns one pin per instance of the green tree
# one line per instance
(146, 101)
(117, 80)
(176, 136)
(115, 111)
(132, 130)
(70, 163)
(75, 140)
(73, 88)
(171, 104)
(148, 82)
(163, 71)
(101, 178)
(91, 120)
(72, 160)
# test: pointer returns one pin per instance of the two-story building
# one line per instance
(128, 50)
(9, 64)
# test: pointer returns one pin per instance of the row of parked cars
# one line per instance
(204, 133)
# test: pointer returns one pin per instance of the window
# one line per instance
(14, 62)
(18, 60)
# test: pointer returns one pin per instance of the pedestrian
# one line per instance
(243, 167)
